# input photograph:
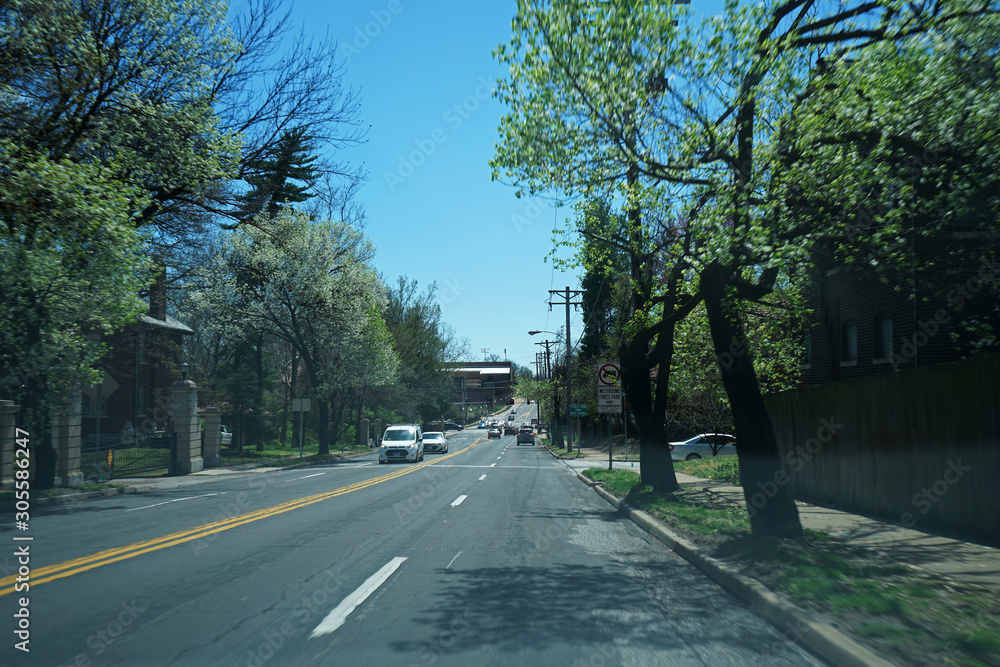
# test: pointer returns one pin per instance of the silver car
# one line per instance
(703, 446)
(434, 441)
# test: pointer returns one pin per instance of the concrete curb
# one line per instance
(823, 639)
(74, 497)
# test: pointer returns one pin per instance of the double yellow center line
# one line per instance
(69, 568)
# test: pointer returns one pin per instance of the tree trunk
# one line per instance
(655, 466)
(556, 428)
(323, 427)
(258, 436)
(770, 505)
(361, 439)
(38, 424)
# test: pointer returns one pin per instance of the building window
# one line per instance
(849, 343)
(883, 339)
(807, 351)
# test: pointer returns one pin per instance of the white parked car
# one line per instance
(402, 442)
(226, 437)
(703, 446)
(434, 441)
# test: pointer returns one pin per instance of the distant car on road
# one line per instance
(494, 432)
(526, 434)
(703, 446)
(452, 426)
(509, 429)
(434, 441)
(483, 425)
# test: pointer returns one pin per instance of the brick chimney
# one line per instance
(158, 293)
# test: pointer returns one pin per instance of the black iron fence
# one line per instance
(116, 456)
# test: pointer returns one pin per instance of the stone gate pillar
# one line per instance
(8, 424)
(66, 441)
(183, 409)
(211, 451)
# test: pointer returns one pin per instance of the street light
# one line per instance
(548, 371)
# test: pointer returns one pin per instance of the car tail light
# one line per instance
(671, 447)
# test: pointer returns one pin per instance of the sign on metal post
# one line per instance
(609, 374)
(578, 410)
(302, 406)
(609, 391)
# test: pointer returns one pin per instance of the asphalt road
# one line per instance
(493, 554)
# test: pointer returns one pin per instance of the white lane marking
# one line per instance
(175, 500)
(453, 560)
(336, 618)
(493, 465)
(482, 478)
(498, 458)
(458, 501)
(316, 474)
(455, 465)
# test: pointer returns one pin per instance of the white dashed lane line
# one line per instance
(458, 501)
(336, 618)
(315, 474)
(175, 500)
(482, 478)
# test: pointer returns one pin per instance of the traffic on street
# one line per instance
(488, 554)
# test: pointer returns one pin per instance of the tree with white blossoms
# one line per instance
(309, 284)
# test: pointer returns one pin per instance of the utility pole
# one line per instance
(568, 296)
(547, 374)
(546, 366)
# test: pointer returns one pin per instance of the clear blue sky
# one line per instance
(425, 72)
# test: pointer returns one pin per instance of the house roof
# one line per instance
(482, 371)
(169, 324)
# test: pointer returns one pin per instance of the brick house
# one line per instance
(940, 305)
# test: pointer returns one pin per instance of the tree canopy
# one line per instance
(719, 125)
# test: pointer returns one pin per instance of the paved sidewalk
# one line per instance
(965, 561)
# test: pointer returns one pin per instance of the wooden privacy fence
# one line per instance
(919, 447)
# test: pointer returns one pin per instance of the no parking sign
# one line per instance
(609, 392)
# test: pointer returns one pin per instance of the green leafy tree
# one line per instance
(60, 284)
(102, 105)
(689, 118)
(424, 344)
(308, 284)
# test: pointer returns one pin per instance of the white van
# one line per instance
(402, 442)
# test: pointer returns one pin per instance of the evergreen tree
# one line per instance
(273, 175)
